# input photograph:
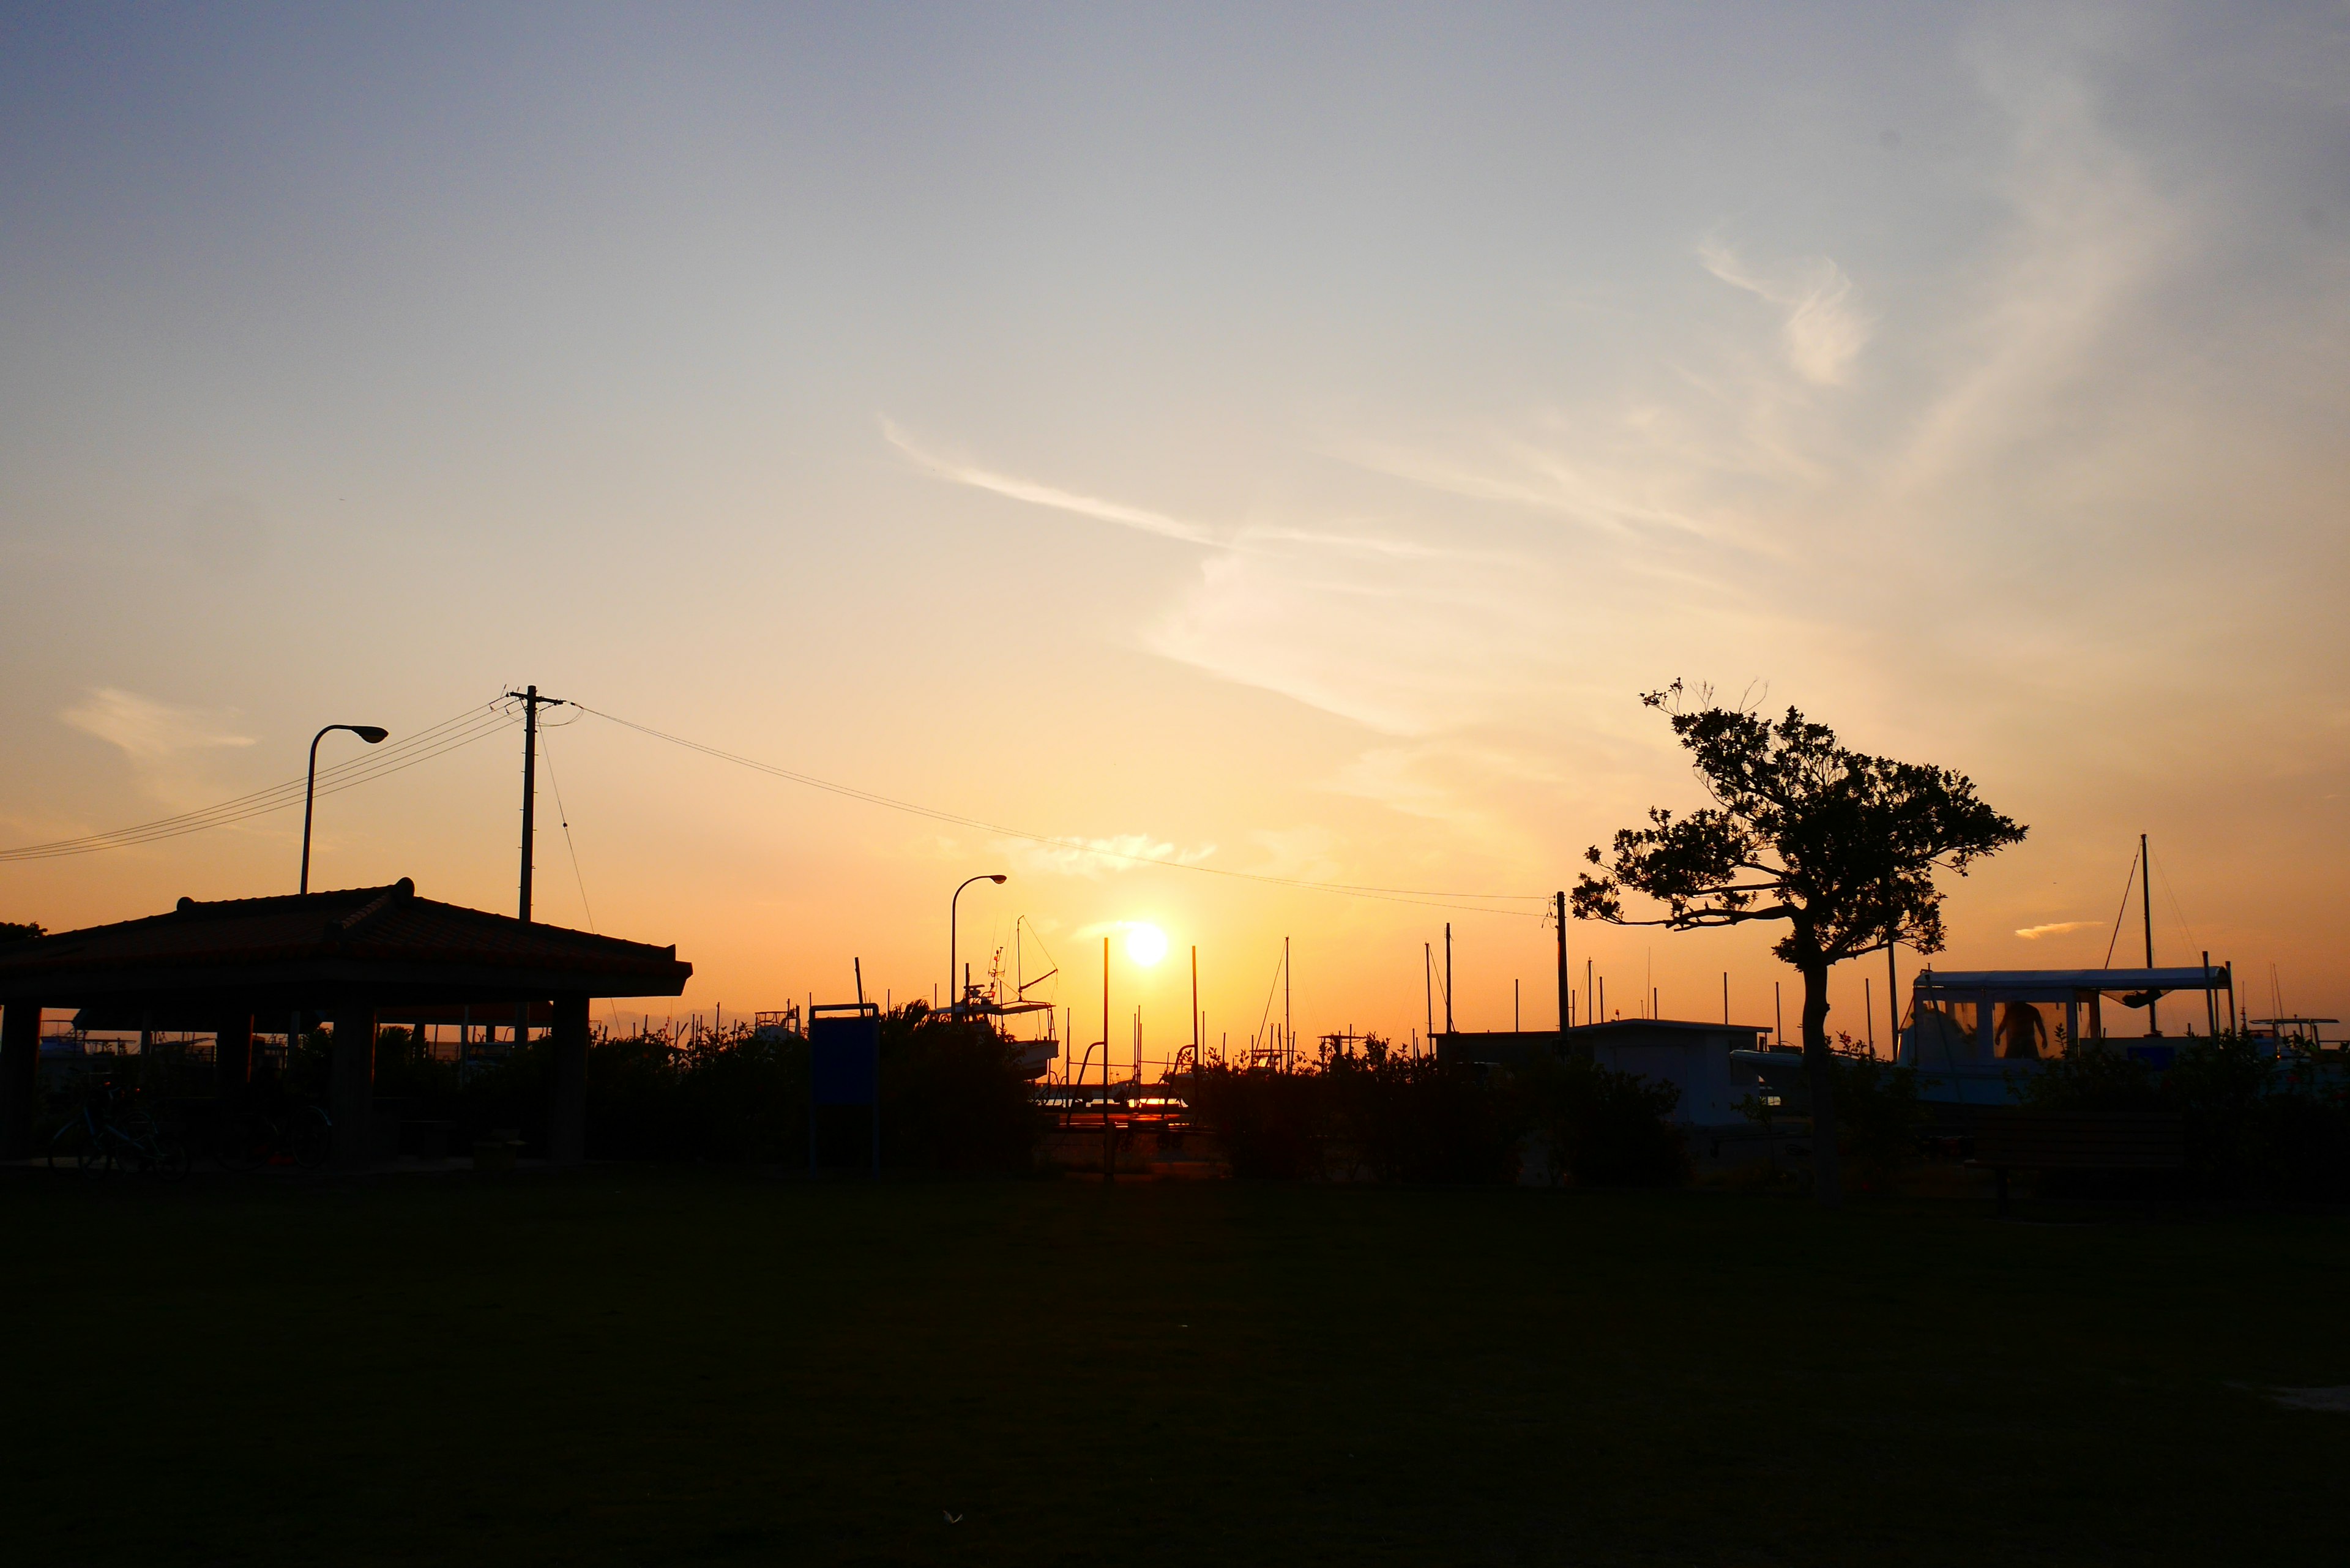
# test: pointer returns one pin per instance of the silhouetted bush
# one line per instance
(1268, 1122)
(2256, 1125)
(1878, 1117)
(954, 1097)
(951, 1098)
(1401, 1118)
(1606, 1128)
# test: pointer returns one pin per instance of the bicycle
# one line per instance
(103, 1138)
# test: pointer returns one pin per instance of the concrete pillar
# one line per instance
(567, 1114)
(232, 1057)
(353, 1081)
(20, 1077)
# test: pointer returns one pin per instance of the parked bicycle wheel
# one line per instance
(76, 1148)
(168, 1156)
(134, 1141)
(245, 1141)
(312, 1137)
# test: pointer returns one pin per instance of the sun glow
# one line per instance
(1145, 944)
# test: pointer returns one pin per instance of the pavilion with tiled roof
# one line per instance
(347, 955)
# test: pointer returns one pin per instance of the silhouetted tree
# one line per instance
(1841, 846)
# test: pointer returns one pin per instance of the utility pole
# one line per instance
(1893, 996)
(1565, 991)
(1448, 977)
(531, 703)
(2146, 906)
(1288, 1030)
(1109, 1164)
(1195, 1010)
(1427, 984)
(1892, 982)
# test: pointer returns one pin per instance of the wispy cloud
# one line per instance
(1091, 857)
(2053, 929)
(147, 732)
(1822, 328)
(1038, 494)
(1358, 623)
(2088, 232)
(169, 747)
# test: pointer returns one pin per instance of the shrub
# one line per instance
(1878, 1115)
(2255, 1124)
(1606, 1128)
(1421, 1119)
(1268, 1122)
(951, 1098)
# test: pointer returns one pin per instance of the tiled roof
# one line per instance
(359, 926)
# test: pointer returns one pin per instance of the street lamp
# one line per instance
(954, 975)
(371, 733)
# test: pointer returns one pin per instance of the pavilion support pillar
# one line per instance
(20, 1077)
(353, 1081)
(567, 1117)
(232, 1057)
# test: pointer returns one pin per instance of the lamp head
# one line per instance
(996, 879)
(371, 733)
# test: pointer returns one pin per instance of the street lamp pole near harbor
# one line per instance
(372, 734)
(954, 975)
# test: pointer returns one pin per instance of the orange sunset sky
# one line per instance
(1266, 439)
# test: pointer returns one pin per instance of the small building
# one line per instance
(354, 957)
(1693, 1058)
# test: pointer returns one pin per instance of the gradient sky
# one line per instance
(1273, 439)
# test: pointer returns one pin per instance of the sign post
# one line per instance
(845, 1065)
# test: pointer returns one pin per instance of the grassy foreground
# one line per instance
(631, 1366)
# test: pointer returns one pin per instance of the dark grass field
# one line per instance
(633, 1366)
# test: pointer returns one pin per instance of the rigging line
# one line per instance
(241, 804)
(1390, 895)
(260, 803)
(2126, 884)
(1263, 1022)
(2177, 912)
(546, 753)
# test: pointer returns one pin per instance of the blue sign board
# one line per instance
(846, 1062)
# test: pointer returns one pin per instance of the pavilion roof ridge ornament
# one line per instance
(398, 892)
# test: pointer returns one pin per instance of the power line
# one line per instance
(1391, 895)
(440, 739)
(564, 817)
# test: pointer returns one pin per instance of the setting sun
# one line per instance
(1145, 944)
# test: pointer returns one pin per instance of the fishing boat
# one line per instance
(1975, 1036)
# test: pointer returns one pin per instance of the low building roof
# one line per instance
(2029, 984)
(1666, 1027)
(382, 946)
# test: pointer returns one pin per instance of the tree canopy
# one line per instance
(1841, 845)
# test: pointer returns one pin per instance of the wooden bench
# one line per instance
(2076, 1140)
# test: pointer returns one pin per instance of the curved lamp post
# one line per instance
(372, 734)
(954, 975)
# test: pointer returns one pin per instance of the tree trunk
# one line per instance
(1819, 1076)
